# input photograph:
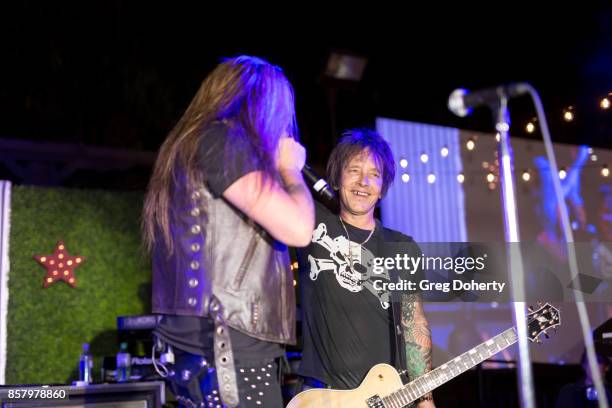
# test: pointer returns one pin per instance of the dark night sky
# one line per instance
(119, 74)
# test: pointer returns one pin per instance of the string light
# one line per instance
(424, 157)
(605, 171)
(562, 174)
(530, 127)
(460, 178)
(470, 145)
(444, 151)
(431, 178)
(526, 175)
(490, 177)
(403, 163)
(568, 114)
(405, 177)
(605, 103)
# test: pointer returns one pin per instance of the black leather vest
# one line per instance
(219, 250)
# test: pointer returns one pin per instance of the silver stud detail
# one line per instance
(195, 229)
(194, 265)
(192, 301)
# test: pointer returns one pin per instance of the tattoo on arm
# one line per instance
(417, 337)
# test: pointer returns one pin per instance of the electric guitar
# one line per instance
(383, 387)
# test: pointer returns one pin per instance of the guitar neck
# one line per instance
(446, 372)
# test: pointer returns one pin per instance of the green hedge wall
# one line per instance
(46, 327)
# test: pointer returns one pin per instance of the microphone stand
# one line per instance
(515, 259)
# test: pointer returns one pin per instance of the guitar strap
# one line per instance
(396, 312)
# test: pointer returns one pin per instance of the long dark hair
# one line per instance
(250, 95)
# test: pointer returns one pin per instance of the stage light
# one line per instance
(562, 174)
(470, 145)
(345, 67)
(568, 114)
(490, 177)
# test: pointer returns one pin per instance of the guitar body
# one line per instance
(382, 379)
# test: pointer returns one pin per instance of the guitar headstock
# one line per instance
(542, 319)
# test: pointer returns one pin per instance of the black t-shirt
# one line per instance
(195, 334)
(347, 324)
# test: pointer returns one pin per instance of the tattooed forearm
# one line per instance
(417, 342)
(417, 336)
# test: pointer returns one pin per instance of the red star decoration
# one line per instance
(60, 265)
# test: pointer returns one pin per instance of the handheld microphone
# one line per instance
(318, 183)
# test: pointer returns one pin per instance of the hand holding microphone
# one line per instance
(292, 157)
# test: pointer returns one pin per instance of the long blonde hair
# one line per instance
(254, 98)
